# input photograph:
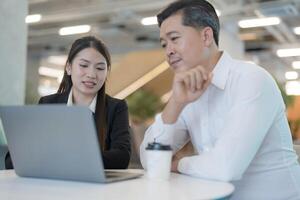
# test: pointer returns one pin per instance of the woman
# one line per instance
(83, 84)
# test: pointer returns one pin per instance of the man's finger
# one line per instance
(199, 79)
(187, 82)
(193, 80)
(203, 72)
(207, 83)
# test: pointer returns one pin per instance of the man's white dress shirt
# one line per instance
(240, 132)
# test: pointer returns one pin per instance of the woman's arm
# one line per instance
(118, 154)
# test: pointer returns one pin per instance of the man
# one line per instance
(232, 111)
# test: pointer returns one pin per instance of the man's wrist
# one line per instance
(172, 111)
(177, 104)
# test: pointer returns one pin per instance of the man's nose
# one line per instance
(170, 50)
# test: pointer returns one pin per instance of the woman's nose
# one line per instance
(91, 72)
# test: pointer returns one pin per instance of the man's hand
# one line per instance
(190, 85)
(187, 87)
(174, 166)
(186, 150)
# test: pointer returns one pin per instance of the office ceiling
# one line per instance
(117, 22)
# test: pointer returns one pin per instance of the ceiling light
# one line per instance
(288, 52)
(218, 12)
(296, 64)
(297, 30)
(149, 21)
(291, 75)
(250, 23)
(70, 30)
(292, 88)
(33, 18)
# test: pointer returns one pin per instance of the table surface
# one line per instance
(178, 187)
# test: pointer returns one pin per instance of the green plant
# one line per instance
(289, 101)
(143, 105)
(295, 127)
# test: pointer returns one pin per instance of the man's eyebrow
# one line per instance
(168, 34)
(171, 32)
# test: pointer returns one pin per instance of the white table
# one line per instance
(179, 187)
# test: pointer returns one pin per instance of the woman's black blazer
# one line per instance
(117, 152)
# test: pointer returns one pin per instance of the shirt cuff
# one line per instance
(163, 132)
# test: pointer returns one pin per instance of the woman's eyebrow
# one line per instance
(84, 60)
(101, 63)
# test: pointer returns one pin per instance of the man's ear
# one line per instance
(208, 36)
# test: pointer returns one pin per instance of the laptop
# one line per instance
(56, 142)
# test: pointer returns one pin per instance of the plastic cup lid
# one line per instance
(158, 146)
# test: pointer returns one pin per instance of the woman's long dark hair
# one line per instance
(66, 84)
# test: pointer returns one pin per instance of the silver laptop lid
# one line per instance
(53, 141)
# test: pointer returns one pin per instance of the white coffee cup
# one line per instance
(159, 157)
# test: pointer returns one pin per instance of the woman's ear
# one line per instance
(107, 75)
(68, 69)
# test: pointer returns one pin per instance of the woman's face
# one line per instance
(88, 72)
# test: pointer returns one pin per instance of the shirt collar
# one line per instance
(92, 105)
(221, 71)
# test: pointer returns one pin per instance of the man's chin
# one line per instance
(179, 68)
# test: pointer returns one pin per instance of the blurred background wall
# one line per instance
(13, 47)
